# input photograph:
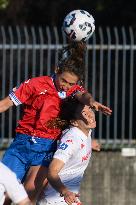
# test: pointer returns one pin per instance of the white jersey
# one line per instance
(75, 151)
(10, 184)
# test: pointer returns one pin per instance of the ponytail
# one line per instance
(72, 59)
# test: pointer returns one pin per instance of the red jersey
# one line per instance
(41, 103)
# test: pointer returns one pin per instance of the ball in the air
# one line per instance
(79, 25)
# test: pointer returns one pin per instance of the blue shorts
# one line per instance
(26, 151)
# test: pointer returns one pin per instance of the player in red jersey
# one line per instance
(34, 144)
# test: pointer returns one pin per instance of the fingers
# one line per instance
(105, 110)
(71, 198)
(99, 107)
(77, 195)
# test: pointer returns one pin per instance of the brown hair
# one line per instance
(68, 112)
(72, 59)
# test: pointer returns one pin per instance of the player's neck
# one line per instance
(84, 130)
(54, 81)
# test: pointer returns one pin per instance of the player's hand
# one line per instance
(99, 107)
(95, 145)
(70, 197)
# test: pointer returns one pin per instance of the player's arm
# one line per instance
(54, 179)
(18, 95)
(87, 99)
(5, 104)
(95, 145)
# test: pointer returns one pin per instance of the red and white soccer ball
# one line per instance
(79, 25)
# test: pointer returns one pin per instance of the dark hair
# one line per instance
(68, 112)
(72, 59)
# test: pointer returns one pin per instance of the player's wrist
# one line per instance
(92, 101)
(64, 192)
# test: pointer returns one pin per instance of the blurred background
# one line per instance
(30, 39)
(51, 12)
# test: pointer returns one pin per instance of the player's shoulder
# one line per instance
(41, 81)
(70, 133)
(75, 133)
(69, 139)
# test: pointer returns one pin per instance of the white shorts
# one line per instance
(2, 195)
(11, 185)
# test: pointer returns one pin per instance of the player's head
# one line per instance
(75, 113)
(70, 69)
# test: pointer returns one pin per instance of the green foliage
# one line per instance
(101, 5)
(50, 12)
(4, 4)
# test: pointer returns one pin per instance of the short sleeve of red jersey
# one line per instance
(23, 93)
(74, 89)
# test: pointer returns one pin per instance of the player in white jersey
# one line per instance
(10, 184)
(72, 156)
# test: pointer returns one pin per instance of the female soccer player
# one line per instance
(34, 143)
(72, 156)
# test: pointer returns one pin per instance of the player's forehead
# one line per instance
(84, 109)
(87, 109)
(69, 77)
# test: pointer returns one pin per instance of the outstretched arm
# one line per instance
(54, 179)
(87, 99)
(5, 104)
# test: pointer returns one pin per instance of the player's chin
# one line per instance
(93, 125)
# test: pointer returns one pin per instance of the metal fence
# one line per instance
(110, 75)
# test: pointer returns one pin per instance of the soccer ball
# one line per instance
(79, 25)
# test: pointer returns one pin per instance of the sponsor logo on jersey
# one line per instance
(62, 94)
(43, 92)
(63, 146)
(69, 141)
(84, 158)
(82, 145)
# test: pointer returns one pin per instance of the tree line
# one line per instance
(51, 12)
